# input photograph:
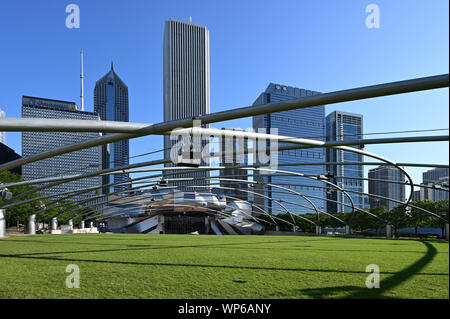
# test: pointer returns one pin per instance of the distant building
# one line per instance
(436, 180)
(379, 184)
(2, 134)
(366, 202)
(7, 155)
(416, 196)
(308, 123)
(343, 126)
(111, 104)
(82, 161)
(186, 84)
(435, 175)
(233, 145)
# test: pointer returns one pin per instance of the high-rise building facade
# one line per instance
(82, 161)
(379, 184)
(186, 82)
(436, 179)
(234, 154)
(343, 126)
(111, 104)
(7, 154)
(2, 134)
(307, 123)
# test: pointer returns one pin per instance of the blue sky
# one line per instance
(318, 45)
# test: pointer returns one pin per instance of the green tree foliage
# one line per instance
(419, 218)
(441, 209)
(398, 217)
(18, 213)
(21, 212)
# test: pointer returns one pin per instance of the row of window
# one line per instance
(302, 154)
(301, 188)
(296, 122)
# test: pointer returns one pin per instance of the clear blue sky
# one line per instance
(317, 45)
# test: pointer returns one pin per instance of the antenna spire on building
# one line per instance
(190, 19)
(112, 66)
(82, 82)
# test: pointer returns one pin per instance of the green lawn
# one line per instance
(189, 266)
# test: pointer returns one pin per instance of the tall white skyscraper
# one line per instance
(186, 78)
(2, 134)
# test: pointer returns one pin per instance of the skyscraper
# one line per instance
(230, 160)
(82, 161)
(306, 123)
(111, 104)
(378, 185)
(7, 154)
(435, 179)
(343, 126)
(186, 80)
(2, 134)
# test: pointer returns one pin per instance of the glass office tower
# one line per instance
(437, 178)
(234, 154)
(111, 104)
(82, 161)
(186, 83)
(306, 123)
(378, 185)
(343, 126)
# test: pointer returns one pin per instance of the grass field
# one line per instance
(188, 266)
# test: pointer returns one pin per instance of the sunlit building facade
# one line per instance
(306, 123)
(111, 104)
(186, 84)
(344, 126)
(82, 161)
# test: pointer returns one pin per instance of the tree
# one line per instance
(397, 218)
(21, 212)
(441, 209)
(419, 218)
(379, 211)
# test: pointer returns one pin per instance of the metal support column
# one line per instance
(318, 230)
(2, 223)
(32, 225)
(54, 223)
(348, 230)
(389, 231)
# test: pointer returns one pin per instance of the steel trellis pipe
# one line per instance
(399, 87)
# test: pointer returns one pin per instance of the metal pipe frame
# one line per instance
(248, 182)
(298, 174)
(297, 141)
(215, 168)
(392, 88)
(237, 181)
(333, 97)
(122, 191)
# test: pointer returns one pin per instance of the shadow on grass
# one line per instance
(40, 256)
(391, 282)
